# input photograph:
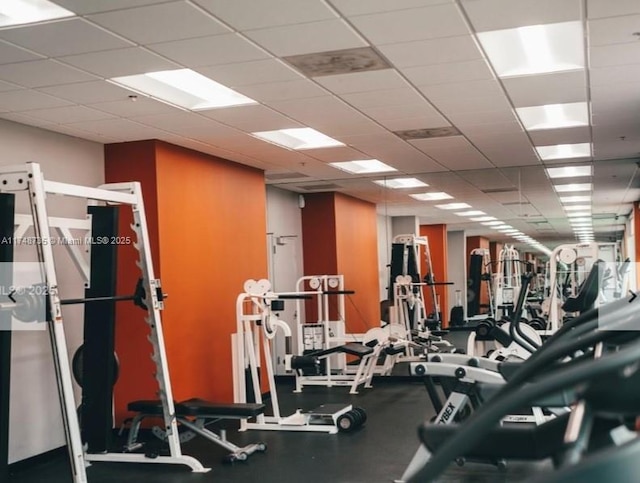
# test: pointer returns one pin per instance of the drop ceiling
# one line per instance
(427, 72)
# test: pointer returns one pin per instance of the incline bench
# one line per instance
(195, 414)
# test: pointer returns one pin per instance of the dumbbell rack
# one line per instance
(28, 178)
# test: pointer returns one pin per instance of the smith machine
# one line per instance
(99, 315)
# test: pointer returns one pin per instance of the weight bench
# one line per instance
(195, 414)
(311, 360)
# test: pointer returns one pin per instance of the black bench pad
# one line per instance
(200, 408)
(356, 349)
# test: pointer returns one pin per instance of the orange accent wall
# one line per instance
(211, 236)
(339, 235)
(437, 235)
(474, 242)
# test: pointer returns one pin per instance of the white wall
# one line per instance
(35, 420)
(284, 242)
(456, 267)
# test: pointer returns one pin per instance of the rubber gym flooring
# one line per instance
(377, 452)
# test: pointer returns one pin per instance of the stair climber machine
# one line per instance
(468, 381)
(257, 326)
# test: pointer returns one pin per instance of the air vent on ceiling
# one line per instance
(282, 176)
(320, 187)
(516, 203)
(334, 62)
(436, 132)
(499, 190)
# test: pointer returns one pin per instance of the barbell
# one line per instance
(30, 303)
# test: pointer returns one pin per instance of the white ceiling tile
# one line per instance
(503, 128)
(22, 119)
(120, 62)
(613, 74)
(489, 15)
(204, 51)
(249, 14)
(423, 122)
(251, 118)
(82, 7)
(497, 139)
(416, 109)
(383, 97)
(462, 90)
(614, 30)
(8, 86)
(453, 152)
(76, 131)
(349, 125)
(464, 120)
(607, 8)
(12, 53)
(67, 114)
(454, 105)
(250, 73)
(335, 155)
(615, 54)
(546, 89)
(311, 37)
(411, 24)
(41, 73)
(160, 23)
(27, 99)
(473, 70)
(363, 81)
(142, 106)
(62, 38)
(120, 129)
(280, 91)
(363, 7)
(433, 51)
(574, 135)
(88, 92)
(178, 119)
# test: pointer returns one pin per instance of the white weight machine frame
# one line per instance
(507, 279)
(256, 327)
(28, 178)
(325, 334)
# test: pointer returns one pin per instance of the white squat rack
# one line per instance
(28, 178)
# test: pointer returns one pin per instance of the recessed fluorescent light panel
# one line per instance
(298, 138)
(535, 49)
(493, 223)
(569, 171)
(453, 206)
(21, 12)
(577, 208)
(574, 214)
(573, 187)
(575, 199)
(484, 218)
(363, 166)
(575, 221)
(184, 88)
(470, 213)
(435, 196)
(554, 116)
(564, 151)
(399, 183)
